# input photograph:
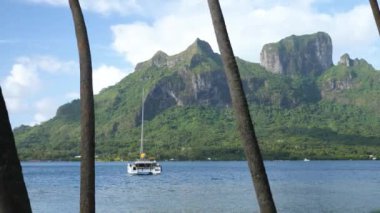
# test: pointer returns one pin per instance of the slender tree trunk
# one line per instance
(376, 12)
(13, 193)
(87, 147)
(243, 118)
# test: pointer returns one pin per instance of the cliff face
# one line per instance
(352, 81)
(298, 55)
(187, 104)
(197, 79)
(343, 78)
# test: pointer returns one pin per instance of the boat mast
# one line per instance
(142, 126)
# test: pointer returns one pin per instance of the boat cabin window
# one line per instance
(145, 165)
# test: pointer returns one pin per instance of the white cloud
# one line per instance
(44, 110)
(31, 75)
(48, 64)
(15, 104)
(21, 81)
(172, 25)
(24, 79)
(251, 24)
(171, 33)
(104, 7)
(105, 76)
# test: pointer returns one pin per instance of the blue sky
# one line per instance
(39, 61)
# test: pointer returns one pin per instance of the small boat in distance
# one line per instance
(306, 160)
(143, 166)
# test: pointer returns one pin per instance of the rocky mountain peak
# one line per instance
(199, 47)
(298, 55)
(191, 56)
(198, 52)
(346, 60)
(159, 59)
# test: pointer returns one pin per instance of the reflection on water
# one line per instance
(297, 186)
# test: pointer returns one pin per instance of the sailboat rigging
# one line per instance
(143, 166)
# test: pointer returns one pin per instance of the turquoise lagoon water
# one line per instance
(297, 186)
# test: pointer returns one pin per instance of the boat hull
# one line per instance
(144, 168)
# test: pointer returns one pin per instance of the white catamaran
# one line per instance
(143, 166)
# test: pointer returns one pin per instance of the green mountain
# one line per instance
(302, 106)
(294, 55)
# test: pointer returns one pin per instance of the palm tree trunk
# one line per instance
(13, 193)
(87, 147)
(376, 12)
(243, 118)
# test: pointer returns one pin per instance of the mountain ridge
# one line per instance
(188, 111)
(295, 55)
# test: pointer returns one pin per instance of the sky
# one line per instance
(39, 68)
